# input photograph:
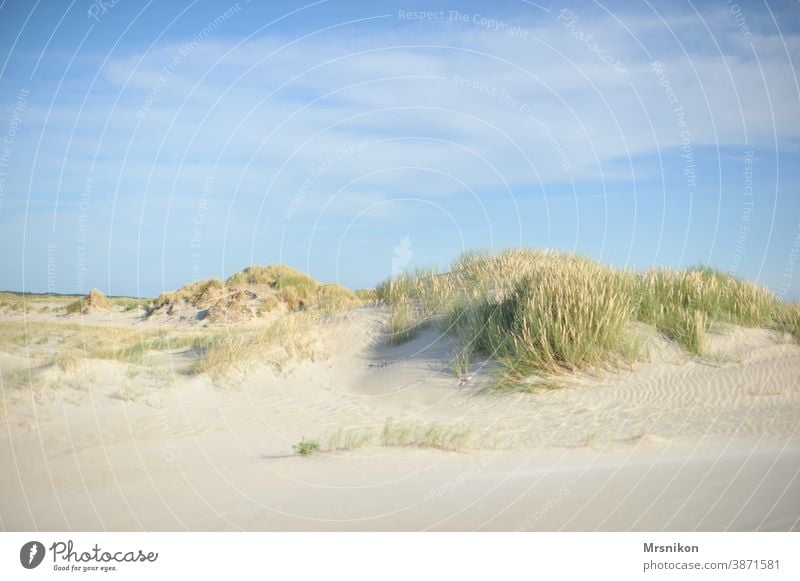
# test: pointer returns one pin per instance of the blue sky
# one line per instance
(145, 145)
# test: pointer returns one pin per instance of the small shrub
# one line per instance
(306, 447)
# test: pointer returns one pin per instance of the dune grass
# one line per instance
(216, 351)
(788, 319)
(95, 300)
(347, 439)
(366, 295)
(193, 293)
(541, 313)
(419, 435)
(276, 343)
(296, 289)
(259, 290)
(685, 303)
(402, 434)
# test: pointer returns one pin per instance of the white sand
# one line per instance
(677, 443)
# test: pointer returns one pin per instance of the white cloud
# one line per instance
(539, 105)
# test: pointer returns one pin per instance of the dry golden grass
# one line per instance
(287, 339)
(216, 351)
(257, 291)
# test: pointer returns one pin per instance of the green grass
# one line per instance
(542, 313)
(787, 319)
(461, 359)
(685, 303)
(306, 447)
(405, 323)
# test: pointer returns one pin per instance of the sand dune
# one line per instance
(674, 443)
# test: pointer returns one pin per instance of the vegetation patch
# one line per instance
(254, 292)
(541, 313)
(406, 434)
(94, 302)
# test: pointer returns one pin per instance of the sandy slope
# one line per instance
(675, 443)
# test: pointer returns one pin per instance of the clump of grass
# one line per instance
(429, 290)
(220, 351)
(417, 299)
(306, 447)
(366, 295)
(405, 323)
(461, 359)
(560, 317)
(685, 303)
(277, 343)
(334, 297)
(441, 437)
(394, 434)
(343, 439)
(787, 319)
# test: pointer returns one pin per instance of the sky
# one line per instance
(146, 145)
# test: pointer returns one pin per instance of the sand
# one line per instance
(672, 443)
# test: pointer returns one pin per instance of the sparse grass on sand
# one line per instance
(541, 313)
(418, 435)
(405, 434)
(216, 351)
(288, 338)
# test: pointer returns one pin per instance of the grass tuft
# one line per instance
(438, 436)
(306, 447)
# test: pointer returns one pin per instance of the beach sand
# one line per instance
(674, 442)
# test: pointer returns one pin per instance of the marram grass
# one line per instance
(541, 313)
